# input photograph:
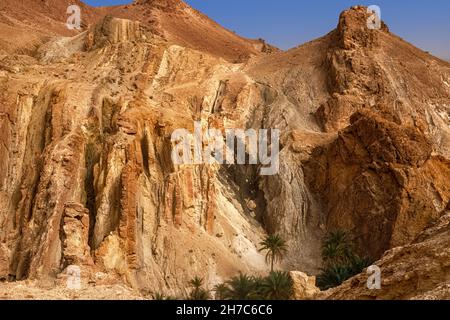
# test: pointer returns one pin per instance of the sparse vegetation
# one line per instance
(277, 285)
(242, 287)
(160, 296)
(198, 292)
(221, 291)
(341, 262)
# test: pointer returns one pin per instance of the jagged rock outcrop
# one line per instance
(112, 31)
(366, 69)
(397, 186)
(75, 229)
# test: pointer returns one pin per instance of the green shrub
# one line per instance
(277, 286)
(198, 292)
(242, 287)
(341, 263)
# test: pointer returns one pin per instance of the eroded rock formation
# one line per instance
(86, 176)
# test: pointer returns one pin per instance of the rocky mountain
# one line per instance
(87, 179)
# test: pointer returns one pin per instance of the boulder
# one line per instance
(304, 286)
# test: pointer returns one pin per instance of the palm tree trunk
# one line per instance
(271, 263)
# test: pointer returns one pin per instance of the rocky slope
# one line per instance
(418, 271)
(182, 25)
(86, 119)
(27, 24)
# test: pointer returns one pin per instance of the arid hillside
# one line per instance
(87, 179)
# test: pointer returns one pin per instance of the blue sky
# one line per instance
(288, 23)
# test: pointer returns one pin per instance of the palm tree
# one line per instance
(277, 286)
(276, 248)
(196, 282)
(358, 264)
(337, 248)
(341, 262)
(222, 291)
(198, 292)
(333, 276)
(242, 287)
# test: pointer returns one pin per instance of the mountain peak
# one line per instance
(358, 27)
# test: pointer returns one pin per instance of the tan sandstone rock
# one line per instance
(86, 175)
(304, 286)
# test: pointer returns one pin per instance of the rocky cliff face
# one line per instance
(87, 173)
(365, 135)
(397, 186)
(417, 271)
(86, 176)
